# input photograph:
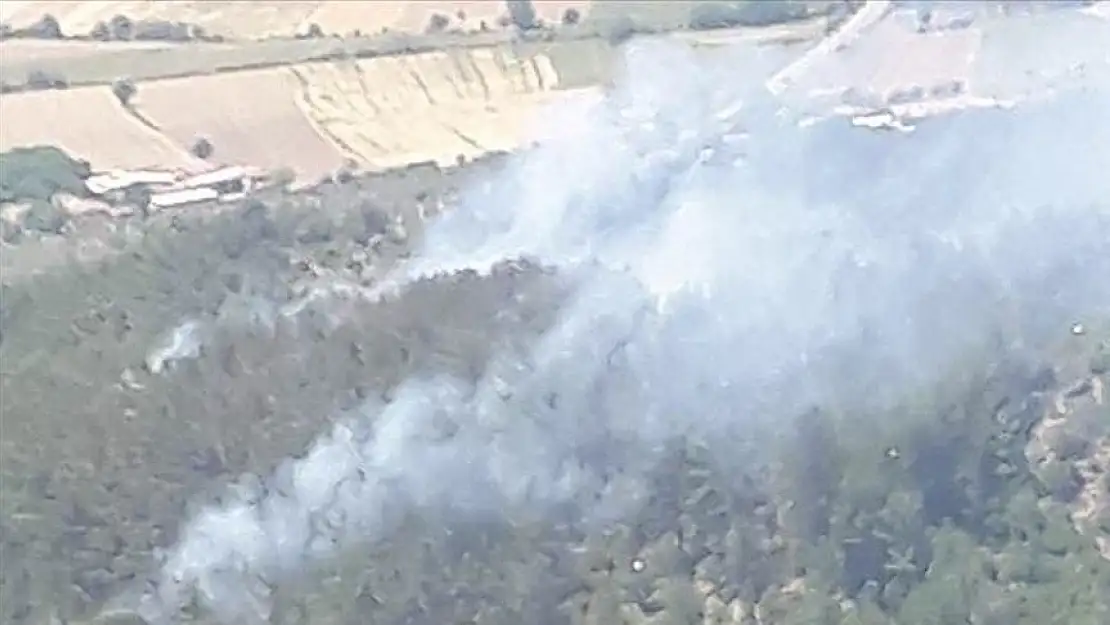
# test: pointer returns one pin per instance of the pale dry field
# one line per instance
(252, 20)
(435, 106)
(88, 123)
(251, 118)
(310, 118)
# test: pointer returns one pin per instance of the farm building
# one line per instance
(182, 197)
(168, 189)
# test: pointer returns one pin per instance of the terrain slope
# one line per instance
(251, 118)
(310, 117)
(434, 106)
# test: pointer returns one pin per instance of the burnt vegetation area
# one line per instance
(958, 505)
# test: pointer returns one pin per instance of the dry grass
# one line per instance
(250, 118)
(90, 124)
(434, 106)
(253, 20)
(381, 112)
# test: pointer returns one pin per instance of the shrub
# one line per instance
(314, 31)
(42, 79)
(162, 30)
(46, 28)
(437, 23)
(522, 13)
(124, 89)
(101, 32)
(37, 173)
(138, 195)
(202, 148)
(710, 15)
(1060, 479)
(767, 13)
(346, 173)
(122, 28)
(283, 177)
(43, 216)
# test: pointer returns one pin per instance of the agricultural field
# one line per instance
(259, 20)
(89, 123)
(250, 118)
(368, 99)
(436, 106)
(376, 113)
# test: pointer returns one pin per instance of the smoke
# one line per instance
(730, 269)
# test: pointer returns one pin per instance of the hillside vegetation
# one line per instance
(977, 493)
(963, 504)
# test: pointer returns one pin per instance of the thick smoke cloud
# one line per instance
(732, 270)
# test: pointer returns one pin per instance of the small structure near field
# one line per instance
(182, 197)
(113, 181)
(169, 189)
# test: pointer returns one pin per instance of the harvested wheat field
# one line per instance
(251, 20)
(310, 118)
(433, 106)
(250, 118)
(89, 123)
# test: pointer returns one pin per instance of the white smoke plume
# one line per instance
(726, 276)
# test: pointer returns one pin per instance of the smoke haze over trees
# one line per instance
(797, 376)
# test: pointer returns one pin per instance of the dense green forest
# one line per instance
(982, 499)
(961, 507)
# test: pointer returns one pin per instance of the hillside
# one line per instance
(964, 481)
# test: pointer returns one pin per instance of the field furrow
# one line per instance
(250, 118)
(433, 106)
